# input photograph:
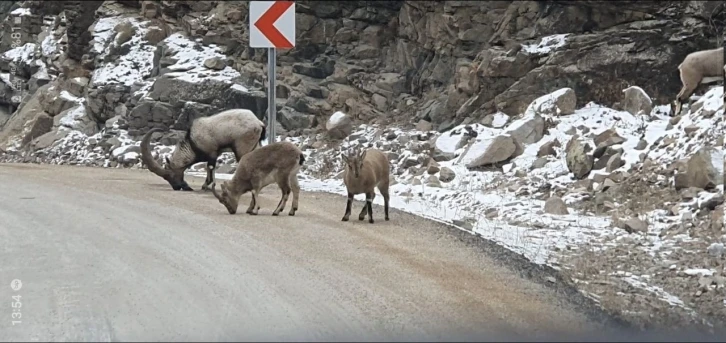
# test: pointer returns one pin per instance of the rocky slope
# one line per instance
(529, 127)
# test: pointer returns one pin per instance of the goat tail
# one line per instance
(302, 158)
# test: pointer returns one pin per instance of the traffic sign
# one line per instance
(272, 24)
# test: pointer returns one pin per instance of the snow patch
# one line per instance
(190, 57)
(49, 45)
(500, 119)
(546, 45)
(240, 88)
(129, 68)
(73, 117)
(22, 54)
(22, 12)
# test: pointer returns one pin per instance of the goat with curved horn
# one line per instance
(238, 130)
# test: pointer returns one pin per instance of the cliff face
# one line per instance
(379, 61)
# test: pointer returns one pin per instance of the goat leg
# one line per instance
(211, 165)
(282, 203)
(295, 194)
(369, 204)
(689, 86)
(363, 210)
(253, 204)
(347, 207)
(385, 203)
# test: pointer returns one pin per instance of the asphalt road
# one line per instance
(110, 254)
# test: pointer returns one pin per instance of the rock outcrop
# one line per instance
(386, 61)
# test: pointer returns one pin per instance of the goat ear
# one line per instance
(168, 162)
(363, 155)
(345, 158)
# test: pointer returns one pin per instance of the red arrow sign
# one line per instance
(266, 24)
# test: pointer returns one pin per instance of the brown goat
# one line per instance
(364, 172)
(695, 67)
(273, 163)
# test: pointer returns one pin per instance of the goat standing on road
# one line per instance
(273, 163)
(364, 171)
(238, 130)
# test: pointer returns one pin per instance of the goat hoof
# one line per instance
(345, 219)
(386, 218)
(292, 213)
(275, 213)
(361, 218)
(370, 221)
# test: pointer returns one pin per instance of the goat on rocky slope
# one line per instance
(238, 130)
(694, 68)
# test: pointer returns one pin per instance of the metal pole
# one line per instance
(271, 106)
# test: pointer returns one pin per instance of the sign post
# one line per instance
(272, 26)
(271, 96)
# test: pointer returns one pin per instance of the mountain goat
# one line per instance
(364, 171)
(238, 130)
(273, 163)
(694, 68)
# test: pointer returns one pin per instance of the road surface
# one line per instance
(111, 254)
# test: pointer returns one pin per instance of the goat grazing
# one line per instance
(273, 163)
(364, 171)
(238, 130)
(695, 67)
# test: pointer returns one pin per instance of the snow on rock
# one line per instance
(103, 31)
(21, 12)
(130, 67)
(499, 120)
(74, 117)
(22, 54)
(190, 57)
(240, 88)
(560, 102)
(49, 45)
(546, 45)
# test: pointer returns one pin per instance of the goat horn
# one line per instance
(149, 160)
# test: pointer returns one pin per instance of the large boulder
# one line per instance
(488, 151)
(700, 171)
(527, 130)
(238, 96)
(578, 161)
(339, 125)
(636, 101)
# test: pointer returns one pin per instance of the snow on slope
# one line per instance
(135, 66)
(510, 213)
